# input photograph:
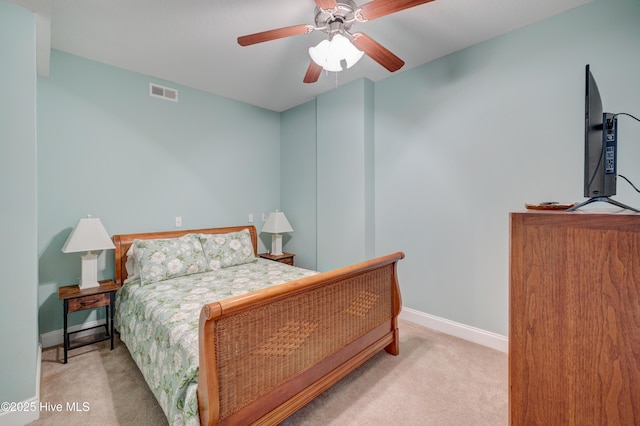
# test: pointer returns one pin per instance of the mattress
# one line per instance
(158, 322)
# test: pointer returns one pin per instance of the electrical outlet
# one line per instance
(250, 218)
(264, 217)
(178, 221)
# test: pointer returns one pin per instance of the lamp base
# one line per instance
(276, 244)
(89, 277)
(84, 286)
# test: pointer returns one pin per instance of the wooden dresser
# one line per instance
(574, 319)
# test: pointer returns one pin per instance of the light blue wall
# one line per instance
(18, 224)
(458, 144)
(344, 175)
(327, 167)
(107, 148)
(298, 182)
(464, 140)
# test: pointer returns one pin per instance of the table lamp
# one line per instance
(276, 224)
(88, 235)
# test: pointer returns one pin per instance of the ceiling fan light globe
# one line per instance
(339, 47)
(352, 55)
(333, 65)
(320, 52)
(330, 54)
(342, 49)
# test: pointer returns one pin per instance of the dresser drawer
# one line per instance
(89, 302)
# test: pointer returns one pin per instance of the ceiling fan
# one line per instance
(336, 17)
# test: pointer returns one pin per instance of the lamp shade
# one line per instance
(276, 223)
(89, 234)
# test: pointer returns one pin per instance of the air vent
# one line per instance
(158, 91)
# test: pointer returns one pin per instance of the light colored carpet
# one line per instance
(436, 380)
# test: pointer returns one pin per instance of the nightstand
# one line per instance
(286, 258)
(75, 299)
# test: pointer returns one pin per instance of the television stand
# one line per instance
(604, 199)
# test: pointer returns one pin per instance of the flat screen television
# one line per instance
(600, 148)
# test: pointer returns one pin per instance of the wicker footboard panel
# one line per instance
(266, 349)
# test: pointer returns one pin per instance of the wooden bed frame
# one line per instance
(266, 354)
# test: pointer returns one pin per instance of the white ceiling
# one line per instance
(193, 43)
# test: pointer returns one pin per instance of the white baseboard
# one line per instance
(466, 332)
(30, 411)
(56, 337)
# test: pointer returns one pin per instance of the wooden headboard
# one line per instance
(124, 241)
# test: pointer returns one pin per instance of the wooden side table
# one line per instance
(286, 258)
(75, 299)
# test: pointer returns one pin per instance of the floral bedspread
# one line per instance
(158, 322)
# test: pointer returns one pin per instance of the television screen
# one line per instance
(600, 148)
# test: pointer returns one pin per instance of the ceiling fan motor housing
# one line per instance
(337, 20)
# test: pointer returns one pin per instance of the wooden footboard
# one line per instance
(266, 354)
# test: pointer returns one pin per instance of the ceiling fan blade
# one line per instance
(274, 34)
(313, 72)
(326, 4)
(378, 8)
(377, 52)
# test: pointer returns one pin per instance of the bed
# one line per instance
(245, 350)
